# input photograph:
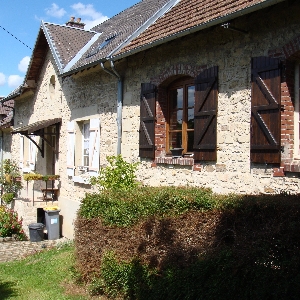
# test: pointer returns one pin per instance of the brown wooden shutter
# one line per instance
(265, 110)
(147, 120)
(205, 118)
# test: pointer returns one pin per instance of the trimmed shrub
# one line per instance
(180, 243)
(127, 207)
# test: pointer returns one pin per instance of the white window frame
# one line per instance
(296, 113)
(75, 152)
(85, 140)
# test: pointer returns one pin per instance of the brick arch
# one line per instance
(289, 51)
(178, 69)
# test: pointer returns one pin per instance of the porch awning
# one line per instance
(35, 129)
(28, 129)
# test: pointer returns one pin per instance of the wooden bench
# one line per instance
(53, 194)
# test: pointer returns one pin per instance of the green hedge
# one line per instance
(222, 276)
(125, 208)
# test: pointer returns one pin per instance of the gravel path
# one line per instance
(13, 250)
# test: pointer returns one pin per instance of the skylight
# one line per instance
(102, 45)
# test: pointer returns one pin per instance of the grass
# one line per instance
(45, 275)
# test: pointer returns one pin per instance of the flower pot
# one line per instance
(176, 152)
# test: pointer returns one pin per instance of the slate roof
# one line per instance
(122, 26)
(193, 14)
(67, 41)
(6, 109)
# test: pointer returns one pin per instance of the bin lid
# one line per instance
(36, 226)
(51, 208)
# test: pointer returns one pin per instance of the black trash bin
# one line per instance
(52, 222)
(36, 232)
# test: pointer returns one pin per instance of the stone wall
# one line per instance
(231, 51)
(91, 94)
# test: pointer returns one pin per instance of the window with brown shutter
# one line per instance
(265, 110)
(191, 117)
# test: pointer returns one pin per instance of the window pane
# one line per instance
(190, 142)
(191, 96)
(86, 148)
(177, 99)
(190, 123)
(175, 140)
(86, 161)
(86, 130)
(176, 112)
(180, 98)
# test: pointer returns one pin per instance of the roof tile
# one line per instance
(67, 40)
(123, 25)
(185, 15)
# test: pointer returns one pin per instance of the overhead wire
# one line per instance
(15, 37)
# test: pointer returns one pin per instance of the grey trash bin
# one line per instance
(36, 232)
(52, 223)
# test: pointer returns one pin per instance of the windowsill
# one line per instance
(26, 170)
(293, 166)
(81, 179)
(184, 161)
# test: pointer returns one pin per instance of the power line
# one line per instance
(15, 37)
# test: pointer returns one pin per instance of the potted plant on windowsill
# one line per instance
(176, 152)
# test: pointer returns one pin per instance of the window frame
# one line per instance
(183, 83)
(84, 139)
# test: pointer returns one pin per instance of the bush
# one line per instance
(223, 247)
(127, 207)
(10, 224)
(118, 175)
(117, 279)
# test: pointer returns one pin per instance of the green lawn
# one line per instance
(45, 275)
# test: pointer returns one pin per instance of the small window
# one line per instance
(181, 115)
(101, 46)
(86, 143)
(107, 41)
(52, 87)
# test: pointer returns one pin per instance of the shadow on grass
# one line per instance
(7, 289)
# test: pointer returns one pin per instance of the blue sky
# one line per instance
(22, 20)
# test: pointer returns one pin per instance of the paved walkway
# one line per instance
(13, 250)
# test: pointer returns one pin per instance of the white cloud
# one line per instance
(2, 79)
(88, 14)
(14, 81)
(23, 64)
(55, 11)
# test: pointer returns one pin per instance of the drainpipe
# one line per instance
(119, 101)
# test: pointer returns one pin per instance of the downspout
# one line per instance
(119, 101)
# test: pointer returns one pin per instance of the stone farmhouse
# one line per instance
(217, 81)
